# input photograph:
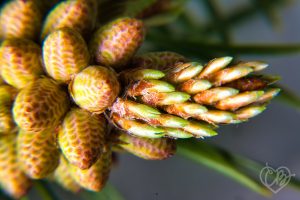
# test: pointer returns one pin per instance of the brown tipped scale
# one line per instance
(38, 153)
(12, 179)
(239, 100)
(157, 60)
(63, 177)
(76, 14)
(40, 106)
(82, 137)
(147, 148)
(20, 19)
(184, 72)
(21, 62)
(65, 54)
(115, 43)
(95, 88)
(96, 176)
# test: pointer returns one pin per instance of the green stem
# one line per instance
(45, 191)
(209, 156)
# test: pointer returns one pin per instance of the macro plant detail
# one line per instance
(75, 91)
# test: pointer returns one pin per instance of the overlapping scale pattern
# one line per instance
(82, 137)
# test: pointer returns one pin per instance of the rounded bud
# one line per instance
(21, 62)
(95, 88)
(40, 106)
(115, 43)
(65, 54)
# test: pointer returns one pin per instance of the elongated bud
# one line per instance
(12, 179)
(177, 133)
(162, 99)
(239, 100)
(79, 15)
(230, 74)
(214, 65)
(38, 153)
(255, 65)
(149, 86)
(40, 106)
(21, 62)
(186, 109)
(131, 109)
(211, 96)
(148, 148)
(183, 72)
(137, 128)
(248, 84)
(163, 60)
(194, 86)
(65, 54)
(200, 129)
(249, 112)
(97, 175)
(20, 19)
(115, 43)
(217, 117)
(268, 95)
(140, 74)
(63, 177)
(82, 137)
(95, 88)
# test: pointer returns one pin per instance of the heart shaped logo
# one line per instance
(277, 179)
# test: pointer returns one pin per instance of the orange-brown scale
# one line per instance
(116, 43)
(12, 179)
(97, 175)
(38, 153)
(248, 84)
(40, 106)
(82, 137)
(147, 148)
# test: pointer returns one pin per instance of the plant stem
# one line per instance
(209, 156)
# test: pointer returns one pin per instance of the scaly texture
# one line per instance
(12, 178)
(62, 176)
(65, 54)
(38, 153)
(96, 176)
(40, 106)
(20, 19)
(7, 124)
(79, 15)
(157, 60)
(21, 62)
(232, 93)
(82, 137)
(95, 88)
(115, 43)
(147, 148)
(7, 95)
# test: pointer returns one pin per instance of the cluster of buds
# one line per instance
(71, 93)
